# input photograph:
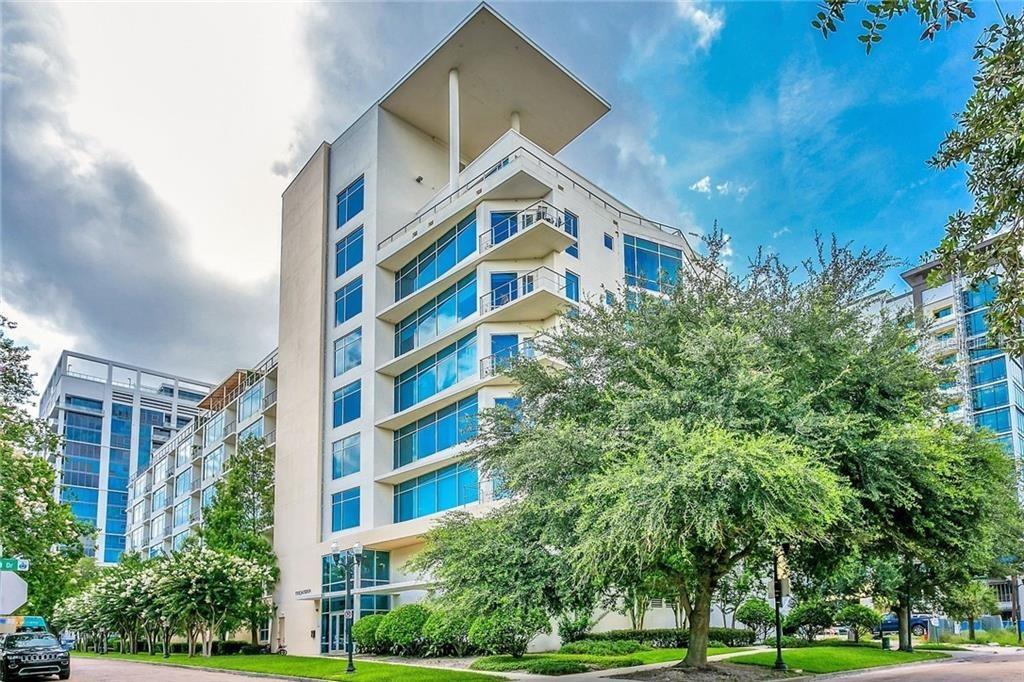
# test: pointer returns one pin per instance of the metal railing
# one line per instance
(270, 437)
(521, 222)
(563, 178)
(269, 399)
(502, 295)
(496, 362)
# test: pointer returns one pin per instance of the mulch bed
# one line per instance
(714, 672)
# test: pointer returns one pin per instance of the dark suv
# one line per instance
(918, 624)
(32, 654)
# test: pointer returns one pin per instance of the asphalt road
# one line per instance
(112, 670)
(981, 666)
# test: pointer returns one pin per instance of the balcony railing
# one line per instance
(270, 399)
(494, 364)
(509, 292)
(522, 221)
(563, 179)
(270, 437)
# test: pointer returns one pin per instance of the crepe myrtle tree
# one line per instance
(724, 415)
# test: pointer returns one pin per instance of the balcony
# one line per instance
(519, 175)
(270, 399)
(270, 437)
(536, 295)
(533, 232)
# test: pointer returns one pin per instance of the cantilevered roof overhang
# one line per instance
(500, 71)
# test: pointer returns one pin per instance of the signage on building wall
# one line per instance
(299, 593)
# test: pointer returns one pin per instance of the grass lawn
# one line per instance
(306, 666)
(831, 659)
(563, 664)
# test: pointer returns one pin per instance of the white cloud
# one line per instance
(703, 185)
(707, 22)
(778, 233)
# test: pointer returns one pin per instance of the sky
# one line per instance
(145, 146)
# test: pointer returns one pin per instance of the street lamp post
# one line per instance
(777, 585)
(350, 563)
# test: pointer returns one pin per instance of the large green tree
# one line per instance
(241, 517)
(33, 524)
(988, 140)
(969, 601)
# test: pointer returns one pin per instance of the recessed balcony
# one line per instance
(519, 175)
(533, 296)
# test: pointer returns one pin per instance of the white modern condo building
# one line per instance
(112, 417)
(428, 242)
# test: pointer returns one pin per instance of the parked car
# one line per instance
(32, 654)
(918, 624)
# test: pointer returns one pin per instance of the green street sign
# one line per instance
(14, 564)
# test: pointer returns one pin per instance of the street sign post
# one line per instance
(13, 564)
(13, 592)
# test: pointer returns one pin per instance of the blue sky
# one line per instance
(169, 130)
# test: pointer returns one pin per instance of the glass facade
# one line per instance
(154, 431)
(348, 301)
(436, 432)
(254, 430)
(572, 286)
(348, 352)
(447, 488)
(350, 201)
(572, 226)
(374, 569)
(650, 265)
(445, 368)
(348, 252)
(447, 309)
(345, 510)
(347, 404)
(438, 258)
(214, 432)
(183, 483)
(213, 463)
(345, 456)
(251, 402)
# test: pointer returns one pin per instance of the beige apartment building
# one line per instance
(420, 248)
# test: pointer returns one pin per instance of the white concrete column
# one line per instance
(453, 129)
(514, 121)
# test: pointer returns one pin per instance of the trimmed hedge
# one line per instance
(603, 648)
(446, 633)
(364, 634)
(675, 638)
(401, 630)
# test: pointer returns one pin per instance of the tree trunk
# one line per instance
(970, 628)
(254, 634)
(166, 635)
(700, 621)
(684, 602)
(904, 613)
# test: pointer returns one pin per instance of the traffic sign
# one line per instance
(13, 592)
(14, 564)
(348, 614)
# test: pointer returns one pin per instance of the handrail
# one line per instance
(540, 278)
(523, 221)
(519, 152)
(495, 362)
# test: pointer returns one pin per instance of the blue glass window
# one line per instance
(350, 201)
(209, 495)
(650, 265)
(183, 483)
(988, 371)
(976, 323)
(181, 512)
(572, 226)
(446, 488)
(572, 286)
(84, 502)
(609, 241)
(451, 306)
(348, 352)
(445, 368)
(345, 510)
(438, 258)
(348, 252)
(347, 404)
(981, 295)
(251, 402)
(998, 421)
(982, 353)
(944, 336)
(995, 395)
(348, 301)
(943, 312)
(345, 456)
(507, 287)
(254, 430)
(436, 432)
(72, 401)
(214, 430)
(503, 225)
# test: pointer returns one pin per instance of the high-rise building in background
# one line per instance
(112, 417)
(419, 251)
(168, 498)
(986, 389)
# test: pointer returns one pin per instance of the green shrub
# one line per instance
(508, 631)
(789, 642)
(446, 633)
(252, 650)
(715, 644)
(810, 618)
(401, 630)
(758, 615)
(553, 666)
(603, 648)
(859, 618)
(364, 633)
(661, 638)
(574, 627)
